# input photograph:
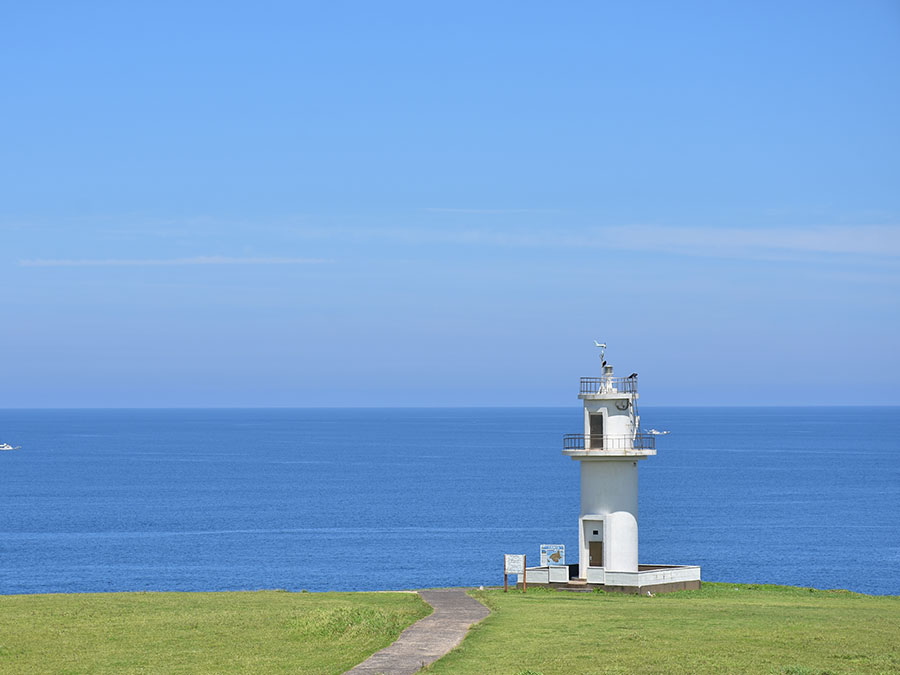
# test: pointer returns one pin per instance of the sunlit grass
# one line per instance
(723, 628)
(258, 632)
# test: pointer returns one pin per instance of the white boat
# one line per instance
(657, 432)
(7, 446)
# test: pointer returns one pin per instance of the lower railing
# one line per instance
(598, 442)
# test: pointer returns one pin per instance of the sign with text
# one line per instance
(553, 555)
(514, 564)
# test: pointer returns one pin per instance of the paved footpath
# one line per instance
(430, 638)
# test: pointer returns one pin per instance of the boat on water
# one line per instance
(7, 446)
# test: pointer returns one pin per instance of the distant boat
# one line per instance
(657, 432)
(7, 446)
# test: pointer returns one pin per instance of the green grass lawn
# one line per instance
(724, 628)
(253, 632)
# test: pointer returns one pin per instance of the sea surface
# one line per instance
(357, 499)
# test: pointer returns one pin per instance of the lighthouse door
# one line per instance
(596, 440)
(595, 552)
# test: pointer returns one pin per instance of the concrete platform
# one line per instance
(648, 579)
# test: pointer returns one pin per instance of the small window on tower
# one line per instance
(596, 531)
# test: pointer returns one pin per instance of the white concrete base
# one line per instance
(649, 578)
(546, 575)
(662, 574)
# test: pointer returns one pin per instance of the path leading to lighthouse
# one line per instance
(430, 638)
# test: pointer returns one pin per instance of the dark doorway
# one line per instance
(596, 432)
(595, 553)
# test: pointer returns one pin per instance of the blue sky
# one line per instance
(354, 204)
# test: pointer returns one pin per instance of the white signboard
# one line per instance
(553, 555)
(514, 564)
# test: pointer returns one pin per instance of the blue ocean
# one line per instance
(358, 499)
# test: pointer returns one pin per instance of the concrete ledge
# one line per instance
(632, 590)
(546, 575)
(652, 575)
(648, 579)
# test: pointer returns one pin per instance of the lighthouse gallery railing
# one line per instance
(608, 385)
(597, 442)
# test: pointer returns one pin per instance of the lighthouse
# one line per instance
(609, 450)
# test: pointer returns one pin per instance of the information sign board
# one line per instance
(553, 555)
(514, 564)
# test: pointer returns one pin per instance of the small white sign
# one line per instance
(514, 564)
(553, 555)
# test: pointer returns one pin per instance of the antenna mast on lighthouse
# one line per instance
(602, 346)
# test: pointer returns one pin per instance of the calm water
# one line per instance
(370, 499)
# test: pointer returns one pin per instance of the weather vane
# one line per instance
(602, 346)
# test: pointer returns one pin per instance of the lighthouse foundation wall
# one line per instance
(647, 579)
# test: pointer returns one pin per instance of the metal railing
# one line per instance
(609, 385)
(601, 443)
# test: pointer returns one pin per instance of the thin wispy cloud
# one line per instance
(873, 240)
(785, 243)
(168, 262)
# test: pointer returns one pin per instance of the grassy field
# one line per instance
(724, 628)
(253, 632)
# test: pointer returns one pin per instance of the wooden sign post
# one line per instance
(514, 564)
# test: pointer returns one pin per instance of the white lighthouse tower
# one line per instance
(609, 450)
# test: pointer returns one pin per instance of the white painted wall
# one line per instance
(609, 499)
(609, 485)
(559, 574)
(599, 575)
(647, 577)
(621, 551)
(544, 575)
(615, 422)
(595, 575)
(536, 575)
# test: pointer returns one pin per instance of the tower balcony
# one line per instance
(608, 387)
(593, 444)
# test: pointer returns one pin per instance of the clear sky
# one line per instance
(444, 203)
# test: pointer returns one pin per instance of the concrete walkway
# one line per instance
(430, 638)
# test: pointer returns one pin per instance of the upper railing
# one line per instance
(609, 385)
(601, 443)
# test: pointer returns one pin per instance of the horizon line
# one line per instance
(436, 407)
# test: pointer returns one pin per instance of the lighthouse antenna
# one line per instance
(602, 346)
